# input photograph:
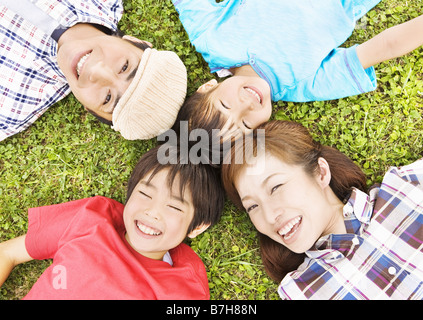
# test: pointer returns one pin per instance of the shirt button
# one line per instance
(355, 241)
(392, 271)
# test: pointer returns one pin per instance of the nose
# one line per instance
(270, 214)
(101, 74)
(246, 103)
(153, 212)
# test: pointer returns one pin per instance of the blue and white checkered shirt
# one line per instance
(380, 256)
(30, 78)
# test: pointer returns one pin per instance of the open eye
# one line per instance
(125, 67)
(251, 208)
(108, 97)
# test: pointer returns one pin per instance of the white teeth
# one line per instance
(255, 94)
(288, 227)
(81, 63)
(147, 230)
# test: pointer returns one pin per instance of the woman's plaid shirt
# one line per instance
(30, 79)
(380, 257)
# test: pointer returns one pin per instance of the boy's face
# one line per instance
(244, 100)
(99, 70)
(156, 218)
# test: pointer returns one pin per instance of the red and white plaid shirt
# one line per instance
(380, 256)
(30, 79)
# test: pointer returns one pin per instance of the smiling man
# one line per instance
(51, 48)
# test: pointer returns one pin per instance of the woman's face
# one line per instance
(287, 204)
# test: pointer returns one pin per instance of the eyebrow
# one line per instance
(261, 185)
(268, 178)
(174, 197)
(129, 78)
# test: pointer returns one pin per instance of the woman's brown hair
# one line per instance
(291, 143)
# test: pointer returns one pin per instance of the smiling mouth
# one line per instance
(81, 63)
(255, 93)
(147, 230)
(290, 228)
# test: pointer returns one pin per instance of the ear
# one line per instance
(324, 176)
(207, 86)
(200, 229)
(134, 39)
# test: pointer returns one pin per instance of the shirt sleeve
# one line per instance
(340, 75)
(412, 172)
(46, 226)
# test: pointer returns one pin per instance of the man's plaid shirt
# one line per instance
(30, 79)
(380, 257)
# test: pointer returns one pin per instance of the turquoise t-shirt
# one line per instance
(293, 45)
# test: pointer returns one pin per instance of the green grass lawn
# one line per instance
(68, 155)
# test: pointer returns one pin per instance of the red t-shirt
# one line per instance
(92, 259)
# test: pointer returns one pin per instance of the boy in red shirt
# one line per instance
(102, 249)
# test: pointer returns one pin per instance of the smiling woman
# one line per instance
(314, 218)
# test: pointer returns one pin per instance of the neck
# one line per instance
(336, 224)
(79, 31)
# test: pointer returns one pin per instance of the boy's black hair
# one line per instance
(201, 180)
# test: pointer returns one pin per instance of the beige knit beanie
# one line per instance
(152, 101)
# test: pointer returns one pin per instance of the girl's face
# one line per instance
(157, 218)
(244, 100)
(288, 205)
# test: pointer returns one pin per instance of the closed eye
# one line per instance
(175, 208)
(224, 105)
(275, 188)
(145, 195)
(245, 125)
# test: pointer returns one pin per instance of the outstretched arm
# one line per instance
(12, 253)
(391, 43)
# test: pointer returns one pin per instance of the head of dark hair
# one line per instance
(201, 180)
(199, 113)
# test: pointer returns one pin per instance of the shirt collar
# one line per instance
(360, 205)
(357, 215)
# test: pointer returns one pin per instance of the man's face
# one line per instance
(99, 70)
